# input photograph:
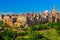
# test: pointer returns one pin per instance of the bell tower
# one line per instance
(54, 10)
(54, 14)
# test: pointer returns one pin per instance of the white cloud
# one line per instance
(6, 13)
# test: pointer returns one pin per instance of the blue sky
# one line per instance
(22, 6)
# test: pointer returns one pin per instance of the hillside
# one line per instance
(47, 31)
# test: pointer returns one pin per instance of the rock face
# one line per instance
(31, 18)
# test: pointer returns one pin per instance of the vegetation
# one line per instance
(1, 22)
(47, 31)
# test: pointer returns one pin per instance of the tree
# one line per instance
(22, 34)
(21, 26)
(21, 38)
(35, 35)
(1, 22)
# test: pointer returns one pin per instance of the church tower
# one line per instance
(54, 10)
(33, 14)
(54, 14)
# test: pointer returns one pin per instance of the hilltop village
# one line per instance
(31, 18)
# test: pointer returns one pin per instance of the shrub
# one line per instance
(21, 26)
(1, 22)
(21, 38)
(22, 34)
(9, 34)
(41, 27)
(35, 36)
(32, 28)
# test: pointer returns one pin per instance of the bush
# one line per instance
(50, 34)
(22, 34)
(35, 36)
(41, 27)
(32, 28)
(1, 36)
(7, 35)
(21, 38)
(21, 26)
(1, 22)
(57, 27)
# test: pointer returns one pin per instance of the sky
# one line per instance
(23, 6)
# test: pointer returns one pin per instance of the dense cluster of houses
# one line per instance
(31, 18)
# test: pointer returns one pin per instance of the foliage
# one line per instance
(32, 28)
(21, 26)
(50, 34)
(41, 27)
(8, 34)
(1, 22)
(22, 34)
(34, 36)
(47, 31)
(21, 38)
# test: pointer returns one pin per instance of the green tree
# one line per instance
(22, 33)
(1, 22)
(33, 35)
